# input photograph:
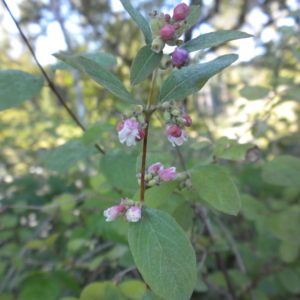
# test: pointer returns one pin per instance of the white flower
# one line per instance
(112, 213)
(133, 214)
(177, 140)
(129, 132)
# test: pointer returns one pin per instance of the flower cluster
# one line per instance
(176, 119)
(167, 30)
(156, 174)
(130, 208)
(131, 129)
(185, 181)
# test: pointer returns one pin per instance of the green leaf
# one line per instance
(139, 19)
(189, 80)
(69, 298)
(66, 155)
(254, 92)
(221, 145)
(216, 187)
(291, 94)
(94, 133)
(285, 225)
(119, 170)
(283, 170)
(213, 39)
(144, 63)
(184, 215)
(99, 74)
(17, 86)
(288, 252)
(290, 280)
(243, 152)
(193, 15)
(163, 255)
(133, 289)
(104, 59)
(100, 291)
(148, 296)
(157, 194)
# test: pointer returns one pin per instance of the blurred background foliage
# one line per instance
(54, 240)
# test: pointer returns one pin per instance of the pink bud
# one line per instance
(181, 11)
(167, 32)
(156, 167)
(140, 135)
(133, 214)
(167, 18)
(176, 26)
(175, 131)
(188, 121)
(180, 57)
(168, 174)
(120, 126)
(112, 213)
(121, 207)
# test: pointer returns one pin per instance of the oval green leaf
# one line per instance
(189, 80)
(99, 74)
(254, 92)
(17, 86)
(193, 15)
(239, 152)
(139, 19)
(163, 255)
(215, 186)
(104, 59)
(283, 170)
(143, 64)
(290, 280)
(100, 291)
(213, 39)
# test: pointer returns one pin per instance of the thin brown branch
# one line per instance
(50, 82)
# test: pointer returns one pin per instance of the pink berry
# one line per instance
(175, 131)
(120, 126)
(188, 121)
(181, 11)
(167, 32)
(141, 135)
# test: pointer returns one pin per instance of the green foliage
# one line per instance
(100, 291)
(254, 92)
(283, 170)
(193, 15)
(237, 153)
(168, 266)
(213, 39)
(139, 19)
(133, 289)
(215, 187)
(17, 86)
(94, 134)
(189, 80)
(144, 63)
(99, 74)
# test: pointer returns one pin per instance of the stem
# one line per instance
(147, 121)
(50, 82)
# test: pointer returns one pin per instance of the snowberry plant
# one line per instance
(161, 249)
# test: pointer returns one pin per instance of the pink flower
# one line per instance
(112, 213)
(167, 32)
(129, 132)
(133, 214)
(177, 140)
(168, 174)
(181, 11)
(156, 167)
(140, 135)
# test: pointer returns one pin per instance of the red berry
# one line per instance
(141, 135)
(175, 131)
(181, 11)
(188, 121)
(167, 32)
(120, 126)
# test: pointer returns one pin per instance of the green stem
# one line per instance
(147, 121)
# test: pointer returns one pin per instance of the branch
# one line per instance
(50, 82)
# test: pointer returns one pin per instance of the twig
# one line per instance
(147, 121)
(122, 273)
(50, 82)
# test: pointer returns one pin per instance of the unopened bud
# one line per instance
(172, 102)
(181, 11)
(189, 184)
(152, 182)
(167, 32)
(139, 108)
(176, 26)
(167, 18)
(166, 105)
(139, 181)
(188, 121)
(148, 176)
(154, 24)
(128, 202)
(140, 135)
(180, 57)
(175, 112)
(167, 115)
(182, 176)
(121, 207)
(129, 114)
(157, 44)
(120, 126)
(175, 131)
(141, 119)
(165, 62)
